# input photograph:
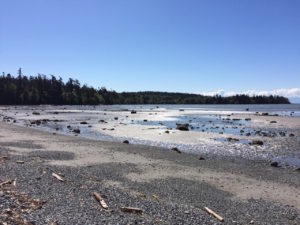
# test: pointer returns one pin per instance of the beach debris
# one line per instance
(156, 197)
(77, 131)
(265, 114)
(20, 162)
(176, 150)
(126, 142)
(274, 164)
(35, 113)
(100, 200)
(6, 182)
(248, 119)
(116, 118)
(83, 122)
(292, 135)
(57, 177)
(131, 210)
(182, 127)
(211, 212)
(201, 158)
(273, 121)
(133, 112)
(167, 132)
(257, 142)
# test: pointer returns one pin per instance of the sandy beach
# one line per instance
(169, 187)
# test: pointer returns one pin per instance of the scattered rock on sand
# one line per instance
(274, 164)
(176, 150)
(292, 135)
(126, 142)
(167, 132)
(183, 127)
(83, 122)
(77, 131)
(133, 112)
(265, 114)
(36, 113)
(257, 142)
(248, 119)
(201, 158)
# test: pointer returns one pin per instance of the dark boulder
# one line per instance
(176, 150)
(77, 131)
(274, 164)
(257, 142)
(182, 127)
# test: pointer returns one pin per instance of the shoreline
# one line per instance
(234, 187)
(224, 133)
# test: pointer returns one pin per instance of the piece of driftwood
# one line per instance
(220, 218)
(131, 210)
(6, 182)
(100, 200)
(57, 177)
(156, 197)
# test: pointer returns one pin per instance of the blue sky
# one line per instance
(162, 45)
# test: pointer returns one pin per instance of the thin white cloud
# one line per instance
(286, 92)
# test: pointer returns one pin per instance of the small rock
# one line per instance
(126, 142)
(116, 118)
(273, 121)
(133, 112)
(36, 113)
(83, 122)
(257, 142)
(176, 150)
(77, 131)
(201, 158)
(167, 132)
(274, 164)
(183, 127)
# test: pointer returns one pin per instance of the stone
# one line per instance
(257, 142)
(126, 142)
(274, 164)
(182, 127)
(176, 150)
(83, 122)
(77, 131)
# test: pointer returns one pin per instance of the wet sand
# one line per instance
(169, 187)
(219, 133)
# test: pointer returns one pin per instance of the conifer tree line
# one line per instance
(40, 89)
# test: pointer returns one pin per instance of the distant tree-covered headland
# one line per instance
(36, 90)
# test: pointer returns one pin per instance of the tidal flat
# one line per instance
(136, 156)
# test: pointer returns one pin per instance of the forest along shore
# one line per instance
(51, 178)
(226, 131)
